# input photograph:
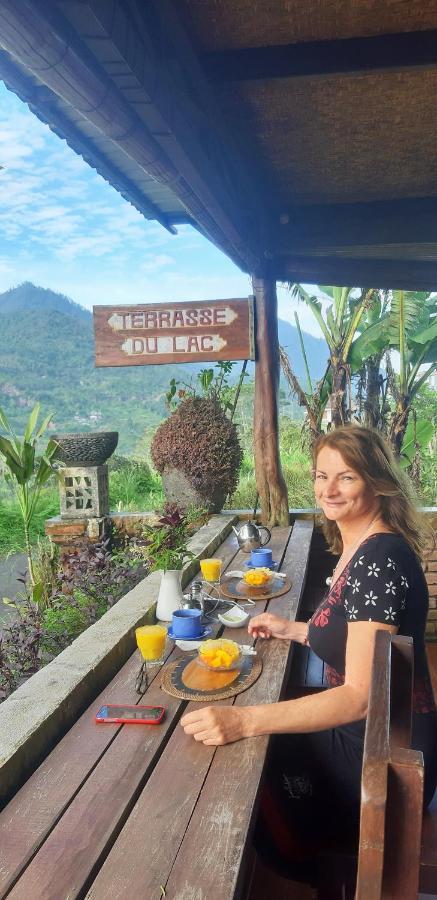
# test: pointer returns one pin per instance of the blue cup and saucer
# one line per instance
(250, 565)
(261, 558)
(187, 626)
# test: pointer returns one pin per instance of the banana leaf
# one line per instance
(424, 433)
(31, 422)
(369, 343)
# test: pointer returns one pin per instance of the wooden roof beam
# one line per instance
(342, 225)
(407, 50)
(408, 275)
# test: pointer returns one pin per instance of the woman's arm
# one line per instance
(328, 709)
(268, 625)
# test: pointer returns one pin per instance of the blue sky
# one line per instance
(63, 227)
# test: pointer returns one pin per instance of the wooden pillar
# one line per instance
(269, 478)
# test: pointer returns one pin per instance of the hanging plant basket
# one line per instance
(198, 454)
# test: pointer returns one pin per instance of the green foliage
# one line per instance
(132, 485)
(164, 545)
(213, 384)
(26, 473)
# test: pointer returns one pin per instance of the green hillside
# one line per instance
(47, 354)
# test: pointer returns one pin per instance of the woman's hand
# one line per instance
(216, 725)
(268, 625)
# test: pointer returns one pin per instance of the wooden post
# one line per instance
(269, 478)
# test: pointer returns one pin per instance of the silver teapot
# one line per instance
(249, 536)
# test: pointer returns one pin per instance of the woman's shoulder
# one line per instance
(388, 545)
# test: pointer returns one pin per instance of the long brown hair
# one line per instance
(365, 451)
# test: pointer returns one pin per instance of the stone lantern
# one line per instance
(83, 487)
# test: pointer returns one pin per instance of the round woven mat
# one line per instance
(237, 589)
(172, 674)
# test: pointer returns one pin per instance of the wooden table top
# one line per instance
(123, 811)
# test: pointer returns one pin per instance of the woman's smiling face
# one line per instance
(340, 491)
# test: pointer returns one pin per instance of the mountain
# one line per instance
(47, 354)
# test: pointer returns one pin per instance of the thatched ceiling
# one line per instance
(232, 24)
(340, 139)
(298, 136)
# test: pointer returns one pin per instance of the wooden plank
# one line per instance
(71, 852)
(403, 825)
(220, 826)
(401, 691)
(374, 776)
(158, 822)
(407, 274)
(336, 226)
(395, 52)
(36, 809)
(428, 862)
(161, 333)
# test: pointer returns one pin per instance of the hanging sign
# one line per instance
(174, 332)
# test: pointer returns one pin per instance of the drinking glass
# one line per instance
(211, 570)
(151, 644)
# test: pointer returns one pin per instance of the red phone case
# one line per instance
(126, 721)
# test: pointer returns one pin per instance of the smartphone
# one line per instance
(131, 715)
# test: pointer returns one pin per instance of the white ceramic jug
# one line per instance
(170, 595)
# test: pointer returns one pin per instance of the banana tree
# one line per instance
(25, 472)
(315, 397)
(340, 326)
(413, 333)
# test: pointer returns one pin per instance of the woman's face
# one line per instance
(340, 491)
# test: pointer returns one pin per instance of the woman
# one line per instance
(378, 583)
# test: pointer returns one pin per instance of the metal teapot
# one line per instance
(249, 536)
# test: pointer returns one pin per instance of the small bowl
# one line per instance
(236, 662)
(269, 577)
(235, 665)
(234, 618)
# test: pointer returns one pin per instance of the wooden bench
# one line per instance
(120, 811)
(397, 854)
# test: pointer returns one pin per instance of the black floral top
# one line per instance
(383, 582)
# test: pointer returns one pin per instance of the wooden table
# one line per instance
(134, 811)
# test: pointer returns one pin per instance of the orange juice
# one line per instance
(151, 641)
(211, 569)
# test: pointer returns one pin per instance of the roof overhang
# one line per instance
(303, 159)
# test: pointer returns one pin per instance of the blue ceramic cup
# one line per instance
(186, 623)
(261, 557)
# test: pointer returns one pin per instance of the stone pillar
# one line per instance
(84, 492)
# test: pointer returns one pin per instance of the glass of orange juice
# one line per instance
(151, 644)
(211, 570)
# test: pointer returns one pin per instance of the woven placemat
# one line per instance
(237, 589)
(171, 680)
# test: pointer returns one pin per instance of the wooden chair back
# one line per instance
(392, 779)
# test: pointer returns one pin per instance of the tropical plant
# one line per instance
(349, 316)
(213, 384)
(26, 472)
(164, 545)
(412, 331)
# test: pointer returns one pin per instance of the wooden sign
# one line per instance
(174, 332)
